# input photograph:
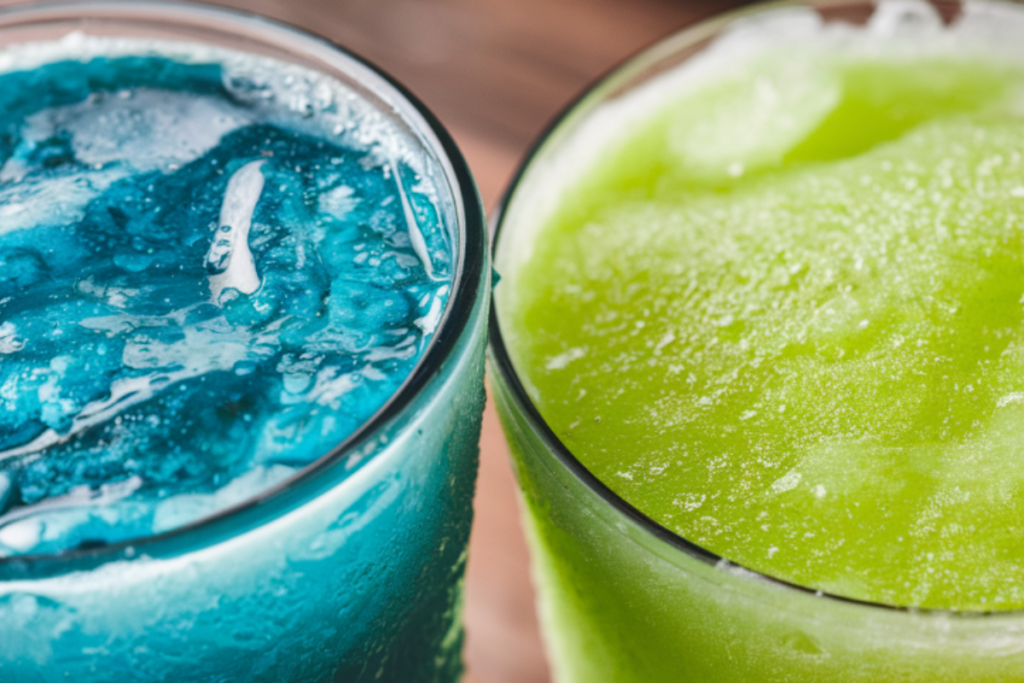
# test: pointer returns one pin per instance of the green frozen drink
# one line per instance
(759, 352)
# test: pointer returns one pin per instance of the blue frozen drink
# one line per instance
(220, 273)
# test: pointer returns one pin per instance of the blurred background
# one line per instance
(495, 72)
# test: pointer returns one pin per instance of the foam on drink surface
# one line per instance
(214, 267)
(795, 273)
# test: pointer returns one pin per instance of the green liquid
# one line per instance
(784, 317)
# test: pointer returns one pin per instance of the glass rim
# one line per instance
(470, 231)
(682, 39)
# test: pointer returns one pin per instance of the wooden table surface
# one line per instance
(495, 72)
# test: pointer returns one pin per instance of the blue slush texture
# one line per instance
(137, 396)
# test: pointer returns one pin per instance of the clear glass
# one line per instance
(350, 571)
(623, 599)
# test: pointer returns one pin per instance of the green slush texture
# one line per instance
(783, 318)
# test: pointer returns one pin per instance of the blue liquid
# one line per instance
(202, 291)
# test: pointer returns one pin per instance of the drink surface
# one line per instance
(214, 267)
(778, 308)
